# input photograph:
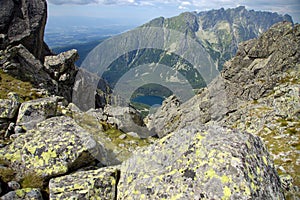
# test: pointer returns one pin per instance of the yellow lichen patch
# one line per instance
(200, 136)
(210, 173)
(20, 193)
(48, 155)
(265, 160)
(130, 179)
(227, 193)
(176, 197)
(225, 179)
(31, 149)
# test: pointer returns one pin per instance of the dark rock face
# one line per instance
(23, 22)
(23, 51)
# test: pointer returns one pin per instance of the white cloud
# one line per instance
(281, 6)
(186, 3)
(182, 8)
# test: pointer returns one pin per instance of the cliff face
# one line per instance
(23, 22)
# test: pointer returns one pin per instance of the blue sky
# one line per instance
(141, 11)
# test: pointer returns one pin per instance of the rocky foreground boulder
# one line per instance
(56, 146)
(92, 184)
(201, 163)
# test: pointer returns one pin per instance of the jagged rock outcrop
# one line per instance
(126, 119)
(22, 64)
(56, 146)
(201, 163)
(257, 91)
(63, 70)
(93, 184)
(245, 78)
(222, 30)
(23, 22)
(166, 111)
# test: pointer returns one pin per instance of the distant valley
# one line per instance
(188, 49)
(82, 33)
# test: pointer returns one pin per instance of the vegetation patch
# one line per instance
(32, 180)
(11, 84)
(7, 174)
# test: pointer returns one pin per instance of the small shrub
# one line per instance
(291, 131)
(7, 174)
(32, 180)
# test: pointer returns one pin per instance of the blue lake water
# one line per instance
(149, 100)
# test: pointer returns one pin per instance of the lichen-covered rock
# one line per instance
(275, 119)
(54, 147)
(62, 69)
(8, 112)
(9, 107)
(27, 193)
(93, 184)
(35, 111)
(201, 163)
